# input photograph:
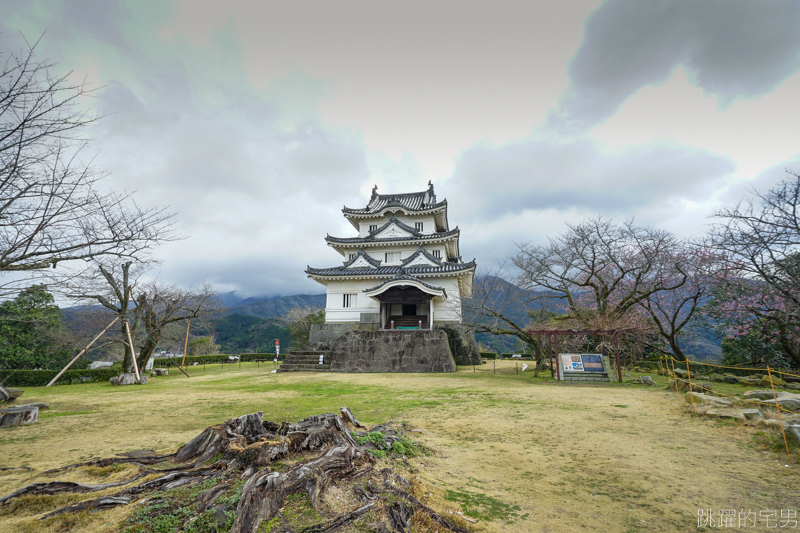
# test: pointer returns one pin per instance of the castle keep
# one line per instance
(394, 304)
(402, 271)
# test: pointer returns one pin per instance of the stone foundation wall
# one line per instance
(462, 343)
(322, 336)
(392, 351)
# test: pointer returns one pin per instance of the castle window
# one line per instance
(392, 257)
(350, 257)
(419, 225)
(373, 227)
(436, 253)
(349, 300)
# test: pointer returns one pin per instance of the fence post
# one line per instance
(674, 377)
(778, 407)
(689, 377)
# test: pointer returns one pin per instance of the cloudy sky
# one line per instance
(257, 121)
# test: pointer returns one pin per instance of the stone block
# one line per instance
(758, 395)
(726, 413)
(705, 399)
(793, 434)
(128, 378)
(768, 423)
(752, 413)
(777, 382)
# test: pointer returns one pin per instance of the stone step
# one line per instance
(289, 367)
(307, 352)
(309, 361)
(282, 370)
(305, 366)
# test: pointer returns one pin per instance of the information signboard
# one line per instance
(592, 363)
(571, 363)
(582, 363)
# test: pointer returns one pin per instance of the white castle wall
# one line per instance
(447, 311)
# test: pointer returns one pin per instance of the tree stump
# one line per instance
(18, 416)
(323, 453)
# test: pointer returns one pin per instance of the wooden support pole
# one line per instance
(619, 368)
(674, 376)
(186, 342)
(133, 350)
(689, 377)
(81, 353)
(778, 408)
(555, 349)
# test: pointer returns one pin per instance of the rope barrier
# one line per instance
(760, 402)
(736, 367)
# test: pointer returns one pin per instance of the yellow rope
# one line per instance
(737, 367)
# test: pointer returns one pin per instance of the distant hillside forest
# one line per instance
(243, 326)
(238, 333)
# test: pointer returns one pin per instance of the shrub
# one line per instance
(215, 359)
(40, 378)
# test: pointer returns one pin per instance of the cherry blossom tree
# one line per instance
(759, 239)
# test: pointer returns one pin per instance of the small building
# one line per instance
(402, 271)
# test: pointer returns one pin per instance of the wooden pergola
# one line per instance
(612, 333)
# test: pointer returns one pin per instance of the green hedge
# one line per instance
(488, 355)
(40, 378)
(215, 359)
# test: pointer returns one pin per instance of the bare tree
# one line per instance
(671, 311)
(597, 276)
(51, 209)
(602, 271)
(149, 308)
(501, 307)
(759, 240)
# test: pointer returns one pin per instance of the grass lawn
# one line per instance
(516, 452)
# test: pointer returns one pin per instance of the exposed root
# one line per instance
(243, 452)
(58, 487)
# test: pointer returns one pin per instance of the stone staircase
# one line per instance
(305, 361)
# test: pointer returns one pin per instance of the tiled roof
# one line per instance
(406, 277)
(417, 236)
(393, 220)
(445, 268)
(411, 201)
(374, 262)
(421, 251)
